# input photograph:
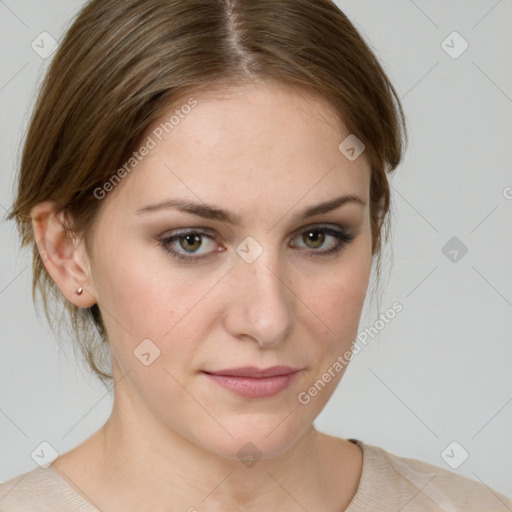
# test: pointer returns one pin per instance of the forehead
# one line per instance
(263, 141)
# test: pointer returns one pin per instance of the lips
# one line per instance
(255, 373)
(252, 382)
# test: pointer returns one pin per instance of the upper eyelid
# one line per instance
(212, 234)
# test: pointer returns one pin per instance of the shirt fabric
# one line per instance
(388, 483)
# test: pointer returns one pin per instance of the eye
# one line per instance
(188, 241)
(315, 237)
(184, 245)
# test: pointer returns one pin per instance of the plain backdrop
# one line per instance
(440, 371)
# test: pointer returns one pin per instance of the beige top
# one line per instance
(388, 483)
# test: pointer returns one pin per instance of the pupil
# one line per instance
(315, 236)
(191, 238)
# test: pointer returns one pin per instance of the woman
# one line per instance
(205, 184)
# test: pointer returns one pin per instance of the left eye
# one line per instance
(317, 236)
(191, 241)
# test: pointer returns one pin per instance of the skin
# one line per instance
(264, 152)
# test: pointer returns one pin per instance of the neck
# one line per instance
(166, 468)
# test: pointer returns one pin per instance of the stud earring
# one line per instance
(79, 291)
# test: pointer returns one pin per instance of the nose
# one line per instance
(261, 307)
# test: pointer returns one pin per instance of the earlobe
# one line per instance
(62, 255)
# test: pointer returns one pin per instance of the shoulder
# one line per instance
(400, 481)
(40, 489)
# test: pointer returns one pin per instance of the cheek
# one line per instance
(145, 298)
(138, 289)
(338, 299)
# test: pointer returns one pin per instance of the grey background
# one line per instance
(440, 370)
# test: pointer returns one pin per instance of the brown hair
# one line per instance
(123, 63)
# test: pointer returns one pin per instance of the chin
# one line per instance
(255, 438)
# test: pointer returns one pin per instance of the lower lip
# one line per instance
(251, 387)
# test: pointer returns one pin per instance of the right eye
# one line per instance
(187, 240)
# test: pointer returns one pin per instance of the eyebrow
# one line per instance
(213, 212)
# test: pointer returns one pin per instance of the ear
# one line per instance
(65, 258)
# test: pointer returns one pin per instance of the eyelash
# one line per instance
(341, 235)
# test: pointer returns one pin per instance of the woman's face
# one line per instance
(260, 292)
